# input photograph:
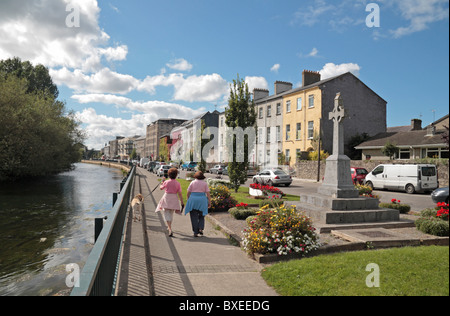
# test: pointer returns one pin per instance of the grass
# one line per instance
(242, 196)
(421, 271)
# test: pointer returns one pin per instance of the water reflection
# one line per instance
(48, 223)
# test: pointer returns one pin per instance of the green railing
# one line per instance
(99, 273)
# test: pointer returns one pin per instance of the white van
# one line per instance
(410, 178)
(143, 162)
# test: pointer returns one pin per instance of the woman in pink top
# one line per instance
(170, 202)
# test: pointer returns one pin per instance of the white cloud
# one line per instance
(180, 65)
(420, 14)
(312, 14)
(104, 81)
(37, 31)
(160, 109)
(205, 88)
(314, 52)
(256, 82)
(101, 128)
(332, 70)
(275, 68)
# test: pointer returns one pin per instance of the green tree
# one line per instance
(37, 136)
(240, 113)
(390, 150)
(37, 77)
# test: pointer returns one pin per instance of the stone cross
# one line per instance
(337, 116)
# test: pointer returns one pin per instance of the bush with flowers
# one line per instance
(267, 189)
(281, 230)
(397, 205)
(221, 199)
(242, 211)
(434, 221)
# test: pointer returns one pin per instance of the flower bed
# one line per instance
(434, 221)
(396, 205)
(221, 199)
(280, 230)
(265, 190)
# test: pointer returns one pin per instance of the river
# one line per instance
(48, 223)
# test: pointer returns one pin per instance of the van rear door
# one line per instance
(429, 180)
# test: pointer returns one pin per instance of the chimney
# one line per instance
(281, 86)
(310, 77)
(260, 94)
(431, 130)
(416, 125)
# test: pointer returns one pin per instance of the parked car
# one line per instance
(225, 171)
(158, 164)
(359, 175)
(163, 170)
(151, 165)
(273, 177)
(217, 169)
(251, 172)
(189, 166)
(440, 195)
(409, 178)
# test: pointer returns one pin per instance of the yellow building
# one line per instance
(301, 118)
(306, 112)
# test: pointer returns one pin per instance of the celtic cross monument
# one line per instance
(338, 180)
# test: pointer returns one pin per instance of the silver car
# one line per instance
(163, 170)
(273, 177)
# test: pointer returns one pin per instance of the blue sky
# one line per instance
(129, 63)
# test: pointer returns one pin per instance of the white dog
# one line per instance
(136, 206)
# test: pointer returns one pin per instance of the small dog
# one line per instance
(136, 206)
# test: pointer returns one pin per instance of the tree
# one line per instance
(390, 150)
(240, 113)
(38, 136)
(37, 77)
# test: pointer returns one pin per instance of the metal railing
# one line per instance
(99, 272)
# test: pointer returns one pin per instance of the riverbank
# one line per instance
(108, 164)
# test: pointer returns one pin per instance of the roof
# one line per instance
(319, 83)
(404, 139)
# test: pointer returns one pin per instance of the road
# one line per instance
(418, 201)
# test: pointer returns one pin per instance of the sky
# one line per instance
(121, 65)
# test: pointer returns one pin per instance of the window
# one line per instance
(278, 108)
(288, 156)
(260, 135)
(311, 130)
(311, 101)
(288, 106)
(378, 170)
(269, 111)
(428, 171)
(278, 133)
(298, 132)
(405, 154)
(221, 121)
(268, 135)
(261, 112)
(299, 104)
(288, 132)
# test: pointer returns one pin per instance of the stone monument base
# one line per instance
(338, 180)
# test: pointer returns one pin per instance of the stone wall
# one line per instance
(308, 169)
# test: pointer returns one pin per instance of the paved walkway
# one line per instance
(154, 264)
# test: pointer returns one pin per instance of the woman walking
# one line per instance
(198, 203)
(170, 202)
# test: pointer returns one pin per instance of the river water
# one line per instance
(47, 224)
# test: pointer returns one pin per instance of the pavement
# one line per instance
(154, 264)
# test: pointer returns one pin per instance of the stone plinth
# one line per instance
(338, 180)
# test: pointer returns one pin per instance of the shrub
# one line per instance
(434, 221)
(280, 230)
(221, 199)
(364, 190)
(396, 205)
(242, 213)
(212, 183)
